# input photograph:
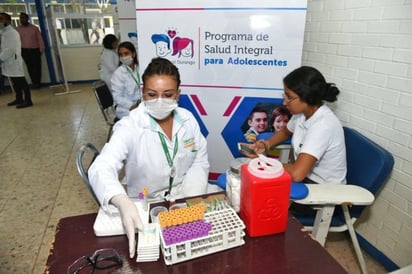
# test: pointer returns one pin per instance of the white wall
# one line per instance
(80, 63)
(365, 47)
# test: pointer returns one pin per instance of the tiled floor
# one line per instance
(39, 183)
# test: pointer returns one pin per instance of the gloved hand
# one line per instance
(130, 219)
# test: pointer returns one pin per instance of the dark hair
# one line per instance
(161, 66)
(24, 14)
(108, 40)
(128, 45)
(7, 16)
(254, 110)
(311, 86)
(280, 110)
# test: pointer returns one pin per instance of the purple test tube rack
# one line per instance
(186, 232)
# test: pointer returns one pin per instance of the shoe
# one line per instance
(35, 86)
(24, 105)
(15, 102)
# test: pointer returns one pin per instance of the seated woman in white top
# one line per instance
(109, 59)
(126, 80)
(317, 135)
(162, 147)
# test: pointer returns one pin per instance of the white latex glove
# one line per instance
(130, 219)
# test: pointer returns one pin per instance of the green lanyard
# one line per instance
(135, 78)
(169, 160)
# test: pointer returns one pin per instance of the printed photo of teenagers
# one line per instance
(265, 119)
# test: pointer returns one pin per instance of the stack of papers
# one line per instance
(148, 244)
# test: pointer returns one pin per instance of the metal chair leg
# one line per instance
(110, 133)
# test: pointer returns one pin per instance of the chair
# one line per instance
(105, 101)
(92, 153)
(368, 167)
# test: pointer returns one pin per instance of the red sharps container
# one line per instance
(264, 195)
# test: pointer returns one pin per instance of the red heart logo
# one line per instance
(171, 33)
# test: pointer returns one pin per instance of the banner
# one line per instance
(126, 15)
(232, 58)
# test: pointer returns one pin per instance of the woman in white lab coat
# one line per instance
(162, 147)
(109, 59)
(126, 80)
(12, 62)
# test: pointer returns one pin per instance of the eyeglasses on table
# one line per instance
(100, 260)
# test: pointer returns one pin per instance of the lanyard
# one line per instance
(169, 159)
(136, 77)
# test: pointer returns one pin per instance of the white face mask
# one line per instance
(160, 108)
(126, 60)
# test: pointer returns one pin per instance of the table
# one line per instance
(294, 251)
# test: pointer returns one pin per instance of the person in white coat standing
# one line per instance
(12, 62)
(109, 59)
(161, 145)
(126, 80)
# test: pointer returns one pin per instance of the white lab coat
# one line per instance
(125, 90)
(109, 62)
(10, 54)
(135, 141)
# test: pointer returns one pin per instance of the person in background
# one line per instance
(109, 59)
(32, 46)
(161, 145)
(258, 123)
(279, 118)
(59, 30)
(95, 31)
(318, 141)
(126, 80)
(12, 62)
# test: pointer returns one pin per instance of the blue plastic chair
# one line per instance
(368, 166)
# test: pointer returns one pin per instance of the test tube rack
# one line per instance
(226, 231)
(181, 216)
(184, 232)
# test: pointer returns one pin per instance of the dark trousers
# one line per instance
(59, 34)
(32, 58)
(20, 85)
(96, 36)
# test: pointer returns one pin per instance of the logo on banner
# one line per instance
(169, 43)
(195, 108)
